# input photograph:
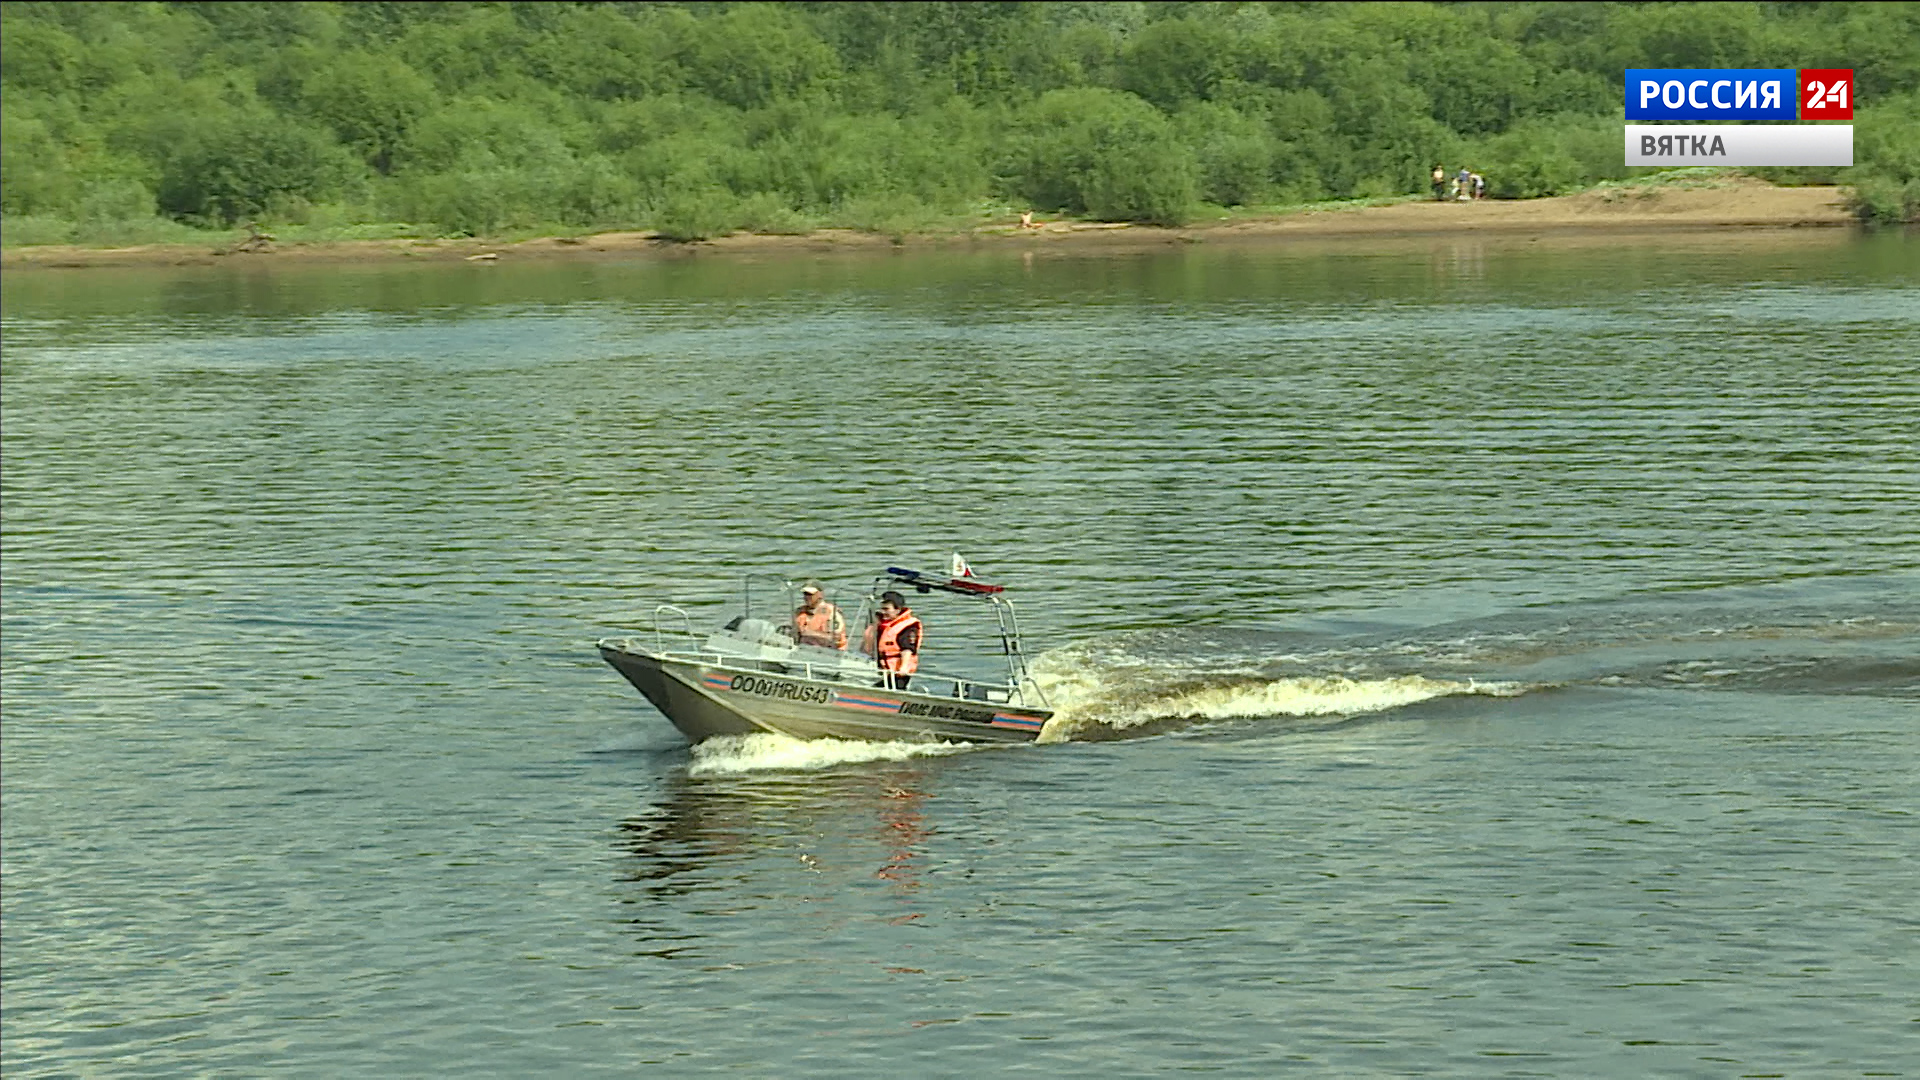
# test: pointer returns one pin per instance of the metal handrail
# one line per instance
(1028, 682)
(686, 621)
(806, 669)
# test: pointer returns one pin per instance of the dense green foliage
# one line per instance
(698, 118)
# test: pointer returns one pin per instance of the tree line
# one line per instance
(700, 118)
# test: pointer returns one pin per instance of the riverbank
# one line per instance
(1717, 204)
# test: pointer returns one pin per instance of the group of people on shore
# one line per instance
(893, 639)
(1465, 185)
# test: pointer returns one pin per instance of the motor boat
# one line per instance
(755, 675)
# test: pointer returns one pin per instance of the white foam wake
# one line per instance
(1123, 696)
(1324, 695)
(732, 755)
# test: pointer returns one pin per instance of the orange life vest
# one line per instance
(821, 626)
(891, 656)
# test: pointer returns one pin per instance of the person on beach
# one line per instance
(894, 641)
(1439, 183)
(818, 622)
(1463, 184)
(1026, 220)
(1479, 186)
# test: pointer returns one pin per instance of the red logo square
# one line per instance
(1826, 93)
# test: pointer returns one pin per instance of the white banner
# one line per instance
(1739, 144)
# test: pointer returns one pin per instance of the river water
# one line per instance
(1471, 658)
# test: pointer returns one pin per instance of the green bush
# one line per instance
(593, 190)
(687, 212)
(370, 100)
(139, 229)
(486, 198)
(115, 199)
(466, 203)
(895, 215)
(245, 165)
(767, 213)
(37, 56)
(1106, 154)
(598, 52)
(755, 54)
(1548, 156)
(1234, 153)
(1883, 200)
(35, 230)
(817, 159)
(1178, 60)
(480, 133)
(32, 230)
(1885, 176)
(33, 174)
(1383, 137)
(1304, 141)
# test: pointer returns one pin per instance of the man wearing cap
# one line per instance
(894, 641)
(818, 622)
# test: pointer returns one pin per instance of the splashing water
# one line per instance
(733, 755)
(1108, 694)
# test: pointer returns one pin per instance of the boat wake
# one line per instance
(1828, 637)
(1094, 702)
(735, 755)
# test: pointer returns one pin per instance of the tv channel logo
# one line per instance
(1826, 93)
(1723, 94)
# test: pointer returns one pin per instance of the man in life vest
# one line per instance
(818, 622)
(894, 641)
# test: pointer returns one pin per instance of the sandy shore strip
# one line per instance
(1719, 205)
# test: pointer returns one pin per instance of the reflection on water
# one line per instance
(903, 831)
(810, 835)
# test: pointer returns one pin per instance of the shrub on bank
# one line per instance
(27, 230)
(247, 165)
(1886, 155)
(1548, 156)
(1106, 154)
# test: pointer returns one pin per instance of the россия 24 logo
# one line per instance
(1723, 94)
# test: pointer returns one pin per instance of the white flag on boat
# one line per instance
(960, 567)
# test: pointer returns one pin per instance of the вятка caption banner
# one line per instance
(1739, 144)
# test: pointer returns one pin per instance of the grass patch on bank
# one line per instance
(1681, 178)
(40, 230)
(1271, 210)
(338, 233)
(36, 230)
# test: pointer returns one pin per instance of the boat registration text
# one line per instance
(784, 691)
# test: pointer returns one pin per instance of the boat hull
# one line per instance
(705, 699)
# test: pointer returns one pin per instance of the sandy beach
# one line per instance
(1739, 204)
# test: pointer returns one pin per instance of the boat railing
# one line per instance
(660, 633)
(925, 684)
(1029, 685)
